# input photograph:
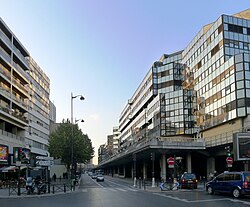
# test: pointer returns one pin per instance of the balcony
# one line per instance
(17, 116)
(5, 72)
(5, 38)
(20, 56)
(8, 138)
(21, 71)
(20, 85)
(5, 55)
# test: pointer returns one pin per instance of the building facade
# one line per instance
(200, 95)
(24, 99)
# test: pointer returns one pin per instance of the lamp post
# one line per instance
(72, 139)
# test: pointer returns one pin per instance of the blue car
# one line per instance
(234, 183)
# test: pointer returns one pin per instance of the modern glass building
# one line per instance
(202, 93)
(217, 70)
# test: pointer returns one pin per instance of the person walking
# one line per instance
(54, 177)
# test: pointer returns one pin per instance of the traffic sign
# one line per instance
(44, 158)
(171, 161)
(45, 162)
(229, 160)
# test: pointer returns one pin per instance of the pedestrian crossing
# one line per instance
(108, 189)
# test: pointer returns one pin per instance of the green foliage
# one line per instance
(60, 144)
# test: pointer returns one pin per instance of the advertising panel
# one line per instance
(242, 146)
(21, 154)
(4, 152)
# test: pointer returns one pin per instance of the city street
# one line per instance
(115, 192)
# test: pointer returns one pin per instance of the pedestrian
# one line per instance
(54, 177)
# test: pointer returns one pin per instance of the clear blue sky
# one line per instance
(102, 49)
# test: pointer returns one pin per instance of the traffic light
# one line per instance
(228, 151)
(152, 156)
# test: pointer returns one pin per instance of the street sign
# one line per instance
(229, 160)
(44, 158)
(171, 161)
(45, 162)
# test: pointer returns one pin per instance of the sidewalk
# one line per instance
(12, 192)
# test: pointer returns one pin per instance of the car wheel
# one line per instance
(210, 190)
(236, 193)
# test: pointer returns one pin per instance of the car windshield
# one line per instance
(189, 176)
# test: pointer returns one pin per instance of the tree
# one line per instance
(61, 140)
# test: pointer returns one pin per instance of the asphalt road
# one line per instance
(118, 193)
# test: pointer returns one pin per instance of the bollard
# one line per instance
(53, 189)
(64, 188)
(49, 187)
(144, 184)
(139, 182)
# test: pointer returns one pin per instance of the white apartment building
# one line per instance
(24, 98)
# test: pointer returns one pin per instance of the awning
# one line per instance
(7, 168)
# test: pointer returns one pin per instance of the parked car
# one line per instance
(188, 180)
(99, 178)
(234, 183)
(93, 176)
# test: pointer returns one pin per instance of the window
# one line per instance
(220, 177)
(215, 50)
(235, 28)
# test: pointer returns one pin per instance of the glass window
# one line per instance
(239, 76)
(238, 58)
(241, 112)
(240, 84)
(247, 83)
(241, 103)
(240, 94)
(220, 177)
(226, 27)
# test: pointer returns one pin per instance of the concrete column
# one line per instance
(189, 163)
(124, 171)
(144, 170)
(210, 165)
(132, 171)
(163, 167)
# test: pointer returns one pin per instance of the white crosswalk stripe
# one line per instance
(115, 189)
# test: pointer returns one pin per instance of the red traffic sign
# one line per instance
(171, 161)
(229, 160)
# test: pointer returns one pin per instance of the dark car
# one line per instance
(93, 176)
(234, 183)
(188, 180)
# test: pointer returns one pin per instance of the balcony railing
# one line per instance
(20, 55)
(158, 142)
(5, 55)
(16, 114)
(223, 138)
(20, 70)
(5, 72)
(11, 138)
(19, 84)
(5, 38)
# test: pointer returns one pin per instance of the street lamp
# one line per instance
(81, 120)
(72, 142)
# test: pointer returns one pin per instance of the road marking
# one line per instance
(200, 201)
(116, 183)
(131, 189)
(84, 190)
(121, 189)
